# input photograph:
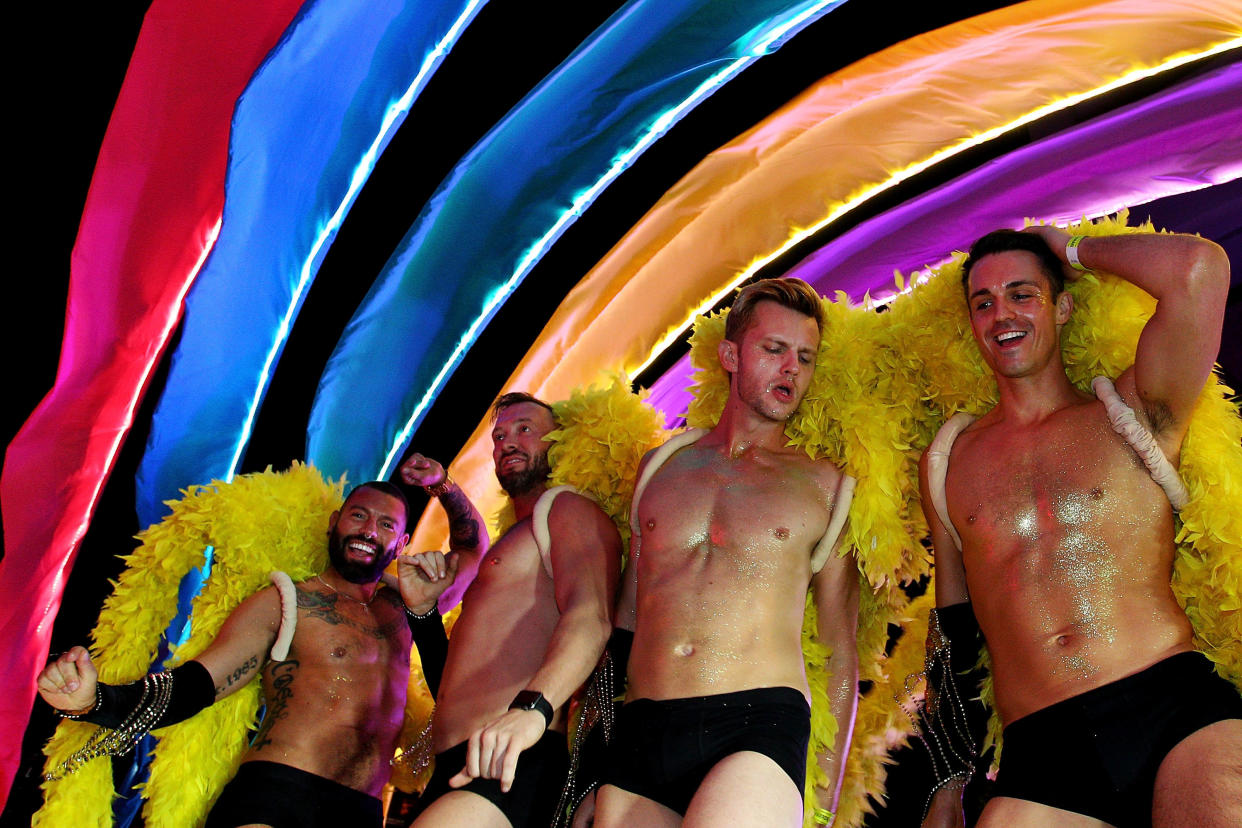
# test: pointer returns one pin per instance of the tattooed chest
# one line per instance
(368, 621)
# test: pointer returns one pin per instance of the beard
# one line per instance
(517, 483)
(353, 571)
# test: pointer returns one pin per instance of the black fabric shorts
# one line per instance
(269, 793)
(1098, 753)
(531, 801)
(662, 750)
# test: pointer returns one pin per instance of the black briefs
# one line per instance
(531, 801)
(1098, 753)
(269, 793)
(662, 750)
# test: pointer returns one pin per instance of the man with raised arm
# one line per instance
(532, 627)
(1052, 518)
(334, 669)
(731, 528)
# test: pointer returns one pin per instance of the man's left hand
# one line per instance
(424, 577)
(494, 750)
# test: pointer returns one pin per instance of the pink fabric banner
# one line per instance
(151, 215)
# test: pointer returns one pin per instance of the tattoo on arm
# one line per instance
(463, 528)
(283, 674)
(241, 673)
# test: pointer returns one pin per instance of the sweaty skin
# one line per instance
(334, 707)
(1067, 542)
(1068, 549)
(716, 591)
(724, 569)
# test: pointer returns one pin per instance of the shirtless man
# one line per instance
(1066, 545)
(532, 627)
(335, 700)
(730, 531)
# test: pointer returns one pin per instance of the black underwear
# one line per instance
(269, 793)
(541, 773)
(662, 750)
(1098, 753)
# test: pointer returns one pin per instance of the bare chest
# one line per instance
(705, 508)
(511, 575)
(513, 562)
(348, 638)
(1070, 488)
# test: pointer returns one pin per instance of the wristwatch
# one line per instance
(533, 700)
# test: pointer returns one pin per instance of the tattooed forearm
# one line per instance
(280, 691)
(465, 525)
(241, 674)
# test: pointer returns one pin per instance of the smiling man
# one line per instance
(334, 683)
(533, 624)
(1052, 519)
(731, 528)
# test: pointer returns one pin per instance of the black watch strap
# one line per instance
(533, 700)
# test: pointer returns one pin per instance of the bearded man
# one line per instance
(533, 624)
(333, 653)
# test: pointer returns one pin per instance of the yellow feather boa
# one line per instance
(257, 523)
(883, 385)
(603, 432)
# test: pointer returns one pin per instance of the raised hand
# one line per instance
(68, 683)
(424, 577)
(418, 470)
(1056, 239)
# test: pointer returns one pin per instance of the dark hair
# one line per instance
(1003, 241)
(517, 398)
(791, 293)
(390, 489)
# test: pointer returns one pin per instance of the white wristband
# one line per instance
(1071, 253)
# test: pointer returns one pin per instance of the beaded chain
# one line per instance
(418, 755)
(156, 692)
(943, 730)
(598, 709)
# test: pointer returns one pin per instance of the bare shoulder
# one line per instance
(825, 473)
(261, 605)
(573, 514)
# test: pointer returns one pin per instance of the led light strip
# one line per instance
(392, 117)
(659, 126)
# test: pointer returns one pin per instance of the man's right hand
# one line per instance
(419, 470)
(424, 577)
(68, 683)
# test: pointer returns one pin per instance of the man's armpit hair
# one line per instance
(1159, 416)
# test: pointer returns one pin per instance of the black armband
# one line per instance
(432, 644)
(127, 712)
(191, 689)
(619, 645)
(952, 722)
(596, 717)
